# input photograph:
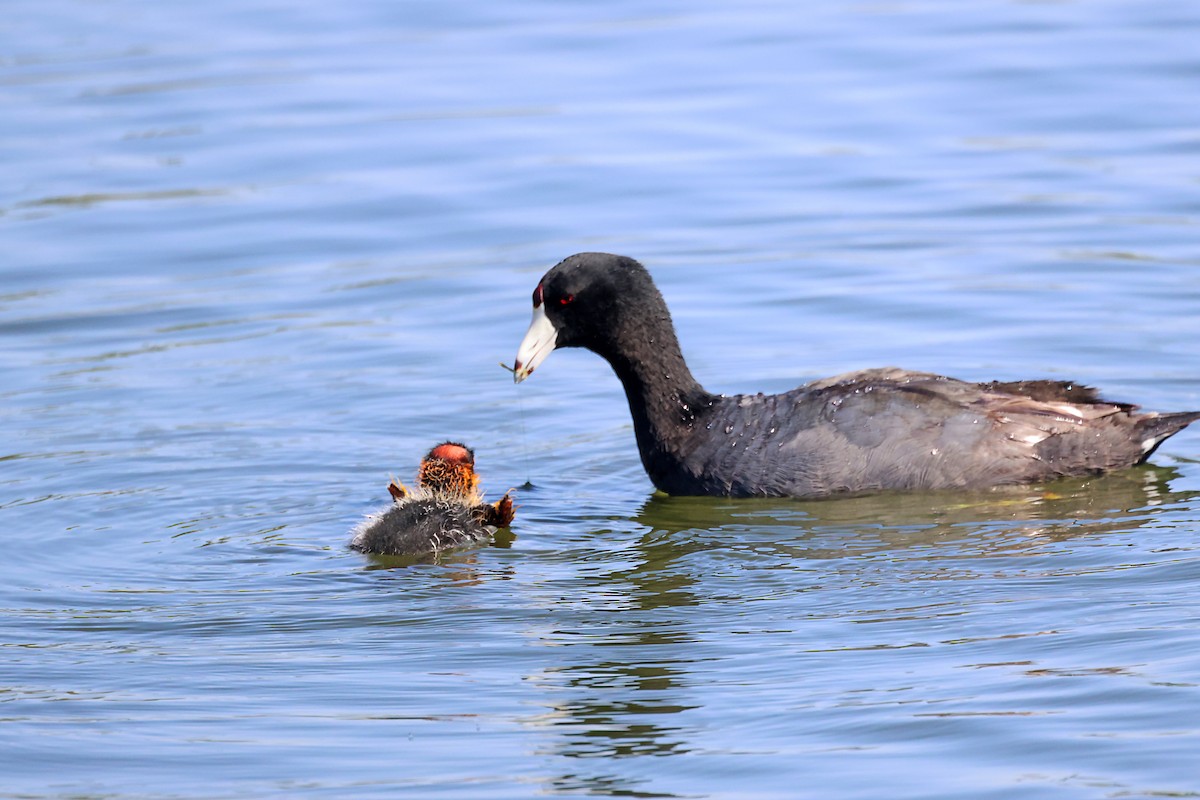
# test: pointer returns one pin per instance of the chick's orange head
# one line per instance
(453, 452)
(450, 467)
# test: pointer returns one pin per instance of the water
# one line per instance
(259, 256)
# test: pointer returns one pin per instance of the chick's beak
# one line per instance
(540, 339)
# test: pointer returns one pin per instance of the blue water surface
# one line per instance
(259, 256)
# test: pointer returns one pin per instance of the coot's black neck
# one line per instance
(665, 400)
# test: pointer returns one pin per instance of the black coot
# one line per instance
(445, 511)
(874, 430)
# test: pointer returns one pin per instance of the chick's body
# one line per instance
(446, 511)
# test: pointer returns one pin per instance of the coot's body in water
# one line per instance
(445, 511)
(875, 430)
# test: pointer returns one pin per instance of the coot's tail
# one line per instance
(1154, 429)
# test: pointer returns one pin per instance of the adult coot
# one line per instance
(874, 430)
(445, 511)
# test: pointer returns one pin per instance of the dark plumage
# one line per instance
(874, 430)
(445, 511)
(425, 523)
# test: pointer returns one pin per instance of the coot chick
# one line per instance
(874, 430)
(444, 512)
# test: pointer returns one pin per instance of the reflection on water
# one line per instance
(461, 560)
(1000, 521)
(629, 681)
(620, 694)
(976, 524)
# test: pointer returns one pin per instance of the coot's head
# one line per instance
(449, 468)
(587, 300)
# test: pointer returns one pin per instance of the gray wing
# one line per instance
(894, 429)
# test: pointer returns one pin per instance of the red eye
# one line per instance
(537, 296)
(566, 299)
